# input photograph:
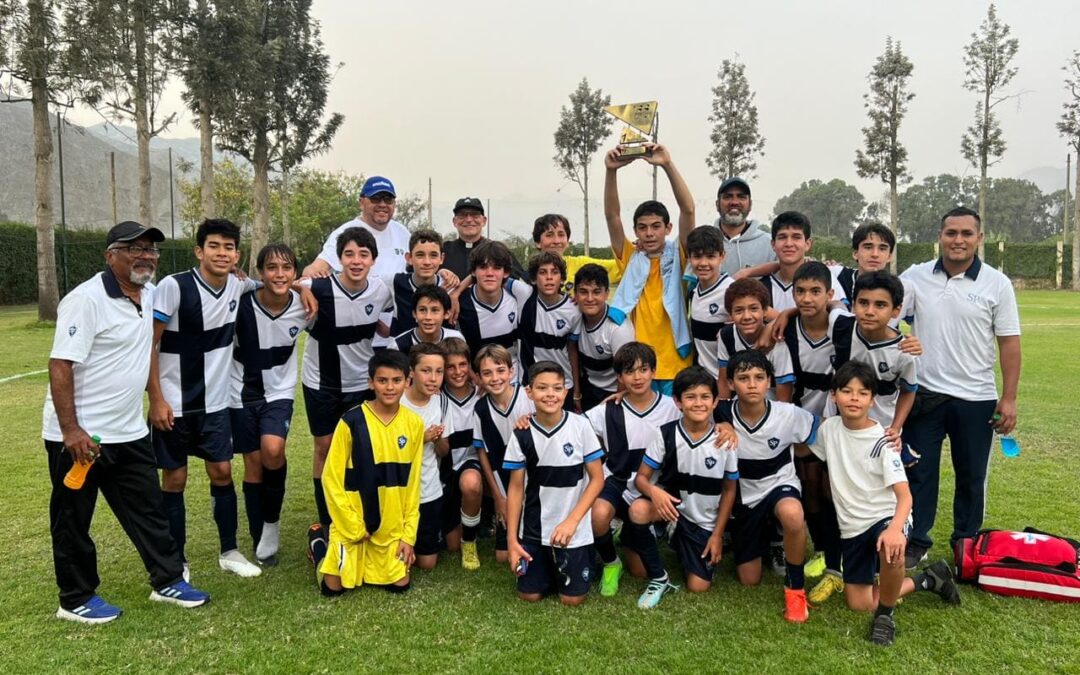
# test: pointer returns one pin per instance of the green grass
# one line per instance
(472, 622)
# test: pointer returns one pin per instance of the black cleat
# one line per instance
(944, 584)
(883, 630)
(913, 555)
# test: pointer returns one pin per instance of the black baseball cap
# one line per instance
(469, 203)
(734, 181)
(129, 230)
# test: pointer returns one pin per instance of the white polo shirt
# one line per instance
(958, 319)
(108, 338)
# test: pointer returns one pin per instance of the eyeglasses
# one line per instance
(139, 251)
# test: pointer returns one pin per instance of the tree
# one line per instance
(277, 120)
(986, 60)
(922, 205)
(232, 195)
(1069, 127)
(833, 207)
(884, 156)
(582, 128)
(1019, 210)
(736, 142)
(31, 35)
(121, 46)
(411, 211)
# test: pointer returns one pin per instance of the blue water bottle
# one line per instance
(1009, 445)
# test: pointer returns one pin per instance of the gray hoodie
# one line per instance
(752, 247)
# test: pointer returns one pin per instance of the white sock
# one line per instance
(269, 541)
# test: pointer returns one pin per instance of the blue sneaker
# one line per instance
(181, 593)
(94, 610)
(656, 590)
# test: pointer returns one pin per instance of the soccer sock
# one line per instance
(253, 509)
(469, 526)
(320, 504)
(177, 515)
(223, 504)
(883, 610)
(644, 544)
(830, 531)
(605, 548)
(795, 579)
(273, 493)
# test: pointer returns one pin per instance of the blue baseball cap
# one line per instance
(375, 185)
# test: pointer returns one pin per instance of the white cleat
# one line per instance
(269, 541)
(235, 562)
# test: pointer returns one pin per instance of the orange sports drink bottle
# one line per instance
(76, 475)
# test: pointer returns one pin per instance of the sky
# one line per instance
(468, 93)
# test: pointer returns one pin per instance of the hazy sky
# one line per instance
(468, 92)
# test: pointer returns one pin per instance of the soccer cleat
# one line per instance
(186, 573)
(883, 630)
(470, 560)
(796, 609)
(94, 610)
(830, 583)
(235, 562)
(269, 543)
(777, 560)
(913, 555)
(816, 566)
(609, 580)
(316, 549)
(181, 593)
(654, 592)
(944, 584)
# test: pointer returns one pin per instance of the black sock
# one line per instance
(320, 504)
(253, 509)
(223, 504)
(605, 548)
(176, 512)
(794, 579)
(273, 492)
(883, 610)
(644, 544)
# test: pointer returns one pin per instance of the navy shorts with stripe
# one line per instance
(203, 435)
(325, 408)
(689, 542)
(754, 527)
(860, 555)
(255, 420)
(566, 571)
(613, 494)
(429, 533)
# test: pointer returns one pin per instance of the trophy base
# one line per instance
(634, 151)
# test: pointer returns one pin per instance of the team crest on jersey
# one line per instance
(560, 324)
(293, 331)
(883, 367)
(511, 316)
(369, 308)
(599, 349)
(401, 441)
(72, 330)
(774, 443)
(232, 305)
(568, 449)
(832, 360)
(710, 462)
(713, 308)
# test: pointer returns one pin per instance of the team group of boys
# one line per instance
(590, 420)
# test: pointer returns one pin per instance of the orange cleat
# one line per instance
(796, 609)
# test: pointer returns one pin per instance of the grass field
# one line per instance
(453, 621)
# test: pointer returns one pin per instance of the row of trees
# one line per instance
(1019, 210)
(255, 74)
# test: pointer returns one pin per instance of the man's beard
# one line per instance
(141, 277)
(733, 220)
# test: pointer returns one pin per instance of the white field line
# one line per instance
(21, 375)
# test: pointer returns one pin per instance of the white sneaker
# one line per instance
(186, 573)
(269, 541)
(235, 562)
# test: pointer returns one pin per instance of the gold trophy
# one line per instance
(642, 120)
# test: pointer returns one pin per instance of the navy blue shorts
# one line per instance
(451, 517)
(429, 534)
(613, 494)
(566, 571)
(860, 555)
(325, 408)
(255, 420)
(755, 527)
(689, 542)
(203, 435)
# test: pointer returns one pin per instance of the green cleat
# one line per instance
(609, 582)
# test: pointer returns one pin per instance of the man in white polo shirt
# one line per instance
(959, 308)
(93, 416)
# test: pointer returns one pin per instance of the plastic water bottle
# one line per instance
(1009, 445)
(76, 475)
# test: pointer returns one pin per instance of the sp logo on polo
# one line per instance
(713, 308)
(710, 462)
(401, 441)
(232, 305)
(369, 308)
(72, 330)
(882, 367)
(511, 316)
(568, 449)
(293, 331)
(774, 443)
(560, 324)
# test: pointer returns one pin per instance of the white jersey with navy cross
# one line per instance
(404, 288)
(339, 344)
(492, 427)
(765, 454)
(693, 471)
(896, 371)
(264, 351)
(546, 330)
(462, 448)
(626, 432)
(484, 324)
(812, 363)
(405, 341)
(435, 412)
(195, 355)
(555, 477)
(730, 342)
(707, 315)
(597, 347)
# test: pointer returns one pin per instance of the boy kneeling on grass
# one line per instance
(555, 477)
(873, 505)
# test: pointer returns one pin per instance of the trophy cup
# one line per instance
(642, 120)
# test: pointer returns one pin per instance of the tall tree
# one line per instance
(31, 35)
(833, 208)
(883, 155)
(582, 128)
(1069, 127)
(736, 142)
(277, 121)
(921, 206)
(122, 45)
(987, 60)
